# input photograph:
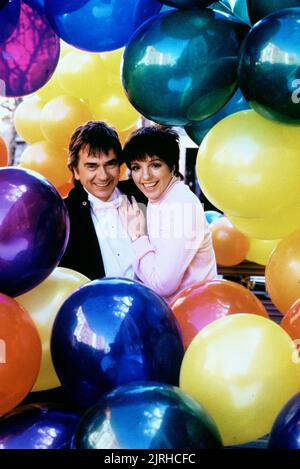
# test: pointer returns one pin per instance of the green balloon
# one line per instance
(258, 9)
(181, 65)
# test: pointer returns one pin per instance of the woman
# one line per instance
(177, 251)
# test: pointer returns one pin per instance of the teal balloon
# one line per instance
(269, 69)
(197, 130)
(212, 215)
(181, 65)
(239, 8)
(258, 9)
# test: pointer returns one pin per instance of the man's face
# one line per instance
(98, 172)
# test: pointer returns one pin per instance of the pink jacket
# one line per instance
(178, 251)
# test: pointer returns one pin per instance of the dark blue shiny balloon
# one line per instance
(99, 25)
(212, 215)
(269, 69)
(147, 416)
(258, 9)
(179, 68)
(34, 229)
(9, 17)
(285, 433)
(197, 130)
(37, 4)
(110, 332)
(38, 426)
(187, 3)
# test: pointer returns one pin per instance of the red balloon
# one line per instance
(20, 353)
(3, 153)
(205, 302)
(291, 323)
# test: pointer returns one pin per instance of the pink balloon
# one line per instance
(29, 56)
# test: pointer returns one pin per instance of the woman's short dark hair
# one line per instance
(153, 140)
(97, 136)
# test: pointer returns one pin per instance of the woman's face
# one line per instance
(151, 175)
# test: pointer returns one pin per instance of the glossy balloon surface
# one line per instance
(34, 228)
(110, 332)
(147, 416)
(9, 17)
(285, 433)
(258, 9)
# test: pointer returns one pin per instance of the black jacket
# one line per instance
(83, 252)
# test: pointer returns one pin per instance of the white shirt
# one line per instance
(114, 242)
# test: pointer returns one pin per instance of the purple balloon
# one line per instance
(29, 56)
(34, 229)
(9, 17)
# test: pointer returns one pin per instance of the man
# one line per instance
(98, 245)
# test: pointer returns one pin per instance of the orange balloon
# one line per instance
(231, 246)
(123, 134)
(61, 116)
(47, 159)
(203, 303)
(20, 353)
(65, 189)
(291, 323)
(283, 273)
(3, 152)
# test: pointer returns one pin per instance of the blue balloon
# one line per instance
(99, 25)
(197, 130)
(188, 3)
(38, 426)
(212, 215)
(36, 4)
(147, 416)
(110, 332)
(34, 229)
(285, 432)
(9, 17)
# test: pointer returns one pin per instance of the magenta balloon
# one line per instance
(29, 56)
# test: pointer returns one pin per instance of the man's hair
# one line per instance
(153, 140)
(96, 136)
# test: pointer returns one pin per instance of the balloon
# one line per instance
(48, 160)
(9, 17)
(187, 3)
(37, 4)
(281, 223)
(161, 417)
(65, 189)
(34, 229)
(113, 64)
(260, 9)
(29, 56)
(212, 215)
(283, 271)
(269, 67)
(106, 26)
(20, 353)
(203, 303)
(76, 69)
(176, 67)
(61, 116)
(238, 8)
(240, 369)
(285, 432)
(197, 130)
(51, 89)
(114, 108)
(4, 157)
(27, 119)
(230, 246)
(248, 149)
(43, 303)
(124, 134)
(291, 322)
(260, 250)
(111, 332)
(38, 426)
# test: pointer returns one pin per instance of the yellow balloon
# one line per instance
(242, 369)
(61, 116)
(43, 303)
(112, 61)
(51, 89)
(280, 224)
(49, 160)
(248, 165)
(114, 108)
(27, 119)
(81, 74)
(260, 250)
